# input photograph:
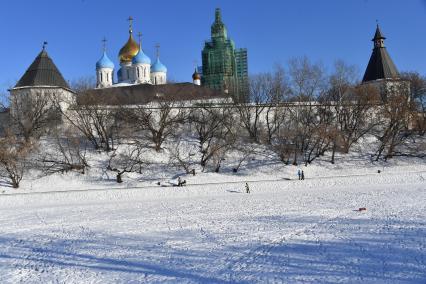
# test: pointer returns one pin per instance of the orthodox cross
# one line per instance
(157, 46)
(44, 45)
(130, 19)
(104, 41)
(140, 38)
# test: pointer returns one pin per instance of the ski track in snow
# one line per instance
(283, 232)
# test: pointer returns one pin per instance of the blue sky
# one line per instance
(273, 31)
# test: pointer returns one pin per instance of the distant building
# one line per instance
(381, 72)
(224, 67)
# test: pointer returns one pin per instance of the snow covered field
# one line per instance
(285, 231)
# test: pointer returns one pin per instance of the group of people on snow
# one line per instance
(300, 174)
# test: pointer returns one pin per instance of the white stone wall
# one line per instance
(50, 97)
(389, 87)
(158, 78)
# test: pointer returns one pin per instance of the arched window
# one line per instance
(102, 78)
(139, 75)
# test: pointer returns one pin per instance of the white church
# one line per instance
(135, 66)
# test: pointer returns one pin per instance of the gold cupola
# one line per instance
(131, 48)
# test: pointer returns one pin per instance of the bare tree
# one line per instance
(32, 114)
(356, 115)
(307, 134)
(250, 113)
(182, 155)
(82, 84)
(92, 116)
(214, 132)
(99, 123)
(340, 81)
(67, 153)
(160, 120)
(276, 111)
(128, 160)
(14, 154)
(222, 147)
(394, 118)
(307, 83)
(285, 148)
(317, 132)
(307, 80)
(418, 97)
(246, 151)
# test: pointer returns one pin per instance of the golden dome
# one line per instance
(129, 50)
(196, 75)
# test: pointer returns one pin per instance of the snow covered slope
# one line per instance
(285, 231)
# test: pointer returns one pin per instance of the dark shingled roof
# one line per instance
(378, 34)
(380, 65)
(42, 72)
(146, 93)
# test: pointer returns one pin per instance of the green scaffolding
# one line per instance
(224, 66)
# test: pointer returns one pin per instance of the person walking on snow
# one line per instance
(247, 188)
(303, 175)
(299, 173)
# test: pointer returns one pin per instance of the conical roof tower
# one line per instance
(42, 72)
(380, 65)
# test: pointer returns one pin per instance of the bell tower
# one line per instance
(379, 39)
(380, 65)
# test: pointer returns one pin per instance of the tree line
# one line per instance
(300, 113)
